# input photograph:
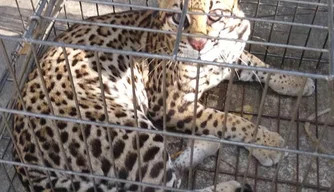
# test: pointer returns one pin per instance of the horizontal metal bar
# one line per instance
(158, 56)
(5, 138)
(126, 5)
(94, 176)
(306, 3)
(324, 27)
(262, 178)
(273, 4)
(185, 34)
(140, 6)
(173, 134)
(268, 70)
(85, 22)
(290, 57)
(283, 118)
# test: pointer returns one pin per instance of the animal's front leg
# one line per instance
(282, 84)
(211, 122)
(203, 149)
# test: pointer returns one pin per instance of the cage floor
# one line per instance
(276, 116)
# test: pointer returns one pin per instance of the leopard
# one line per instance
(97, 97)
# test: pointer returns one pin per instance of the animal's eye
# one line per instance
(218, 14)
(177, 19)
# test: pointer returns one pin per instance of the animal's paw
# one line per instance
(230, 186)
(309, 87)
(202, 149)
(268, 138)
(291, 85)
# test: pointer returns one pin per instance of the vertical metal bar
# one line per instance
(253, 25)
(317, 127)
(297, 147)
(79, 116)
(321, 54)
(17, 149)
(97, 9)
(258, 121)
(322, 134)
(331, 59)
(293, 118)
(271, 31)
(2, 135)
(48, 10)
(190, 178)
(289, 35)
(34, 23)
(113, 7)
(21, 17)
(180, 28)
(332, 187)
(11, 186)
(238, 149)
(164, 97)
(22, 73)
(136, 122)
(54, 31)
(175, 52)
(308, 35)
(195, 177)
(14, 58)
(7, 178)
(33, 6)
(255, 174)
(7, 62)
(53, 10)
(81, 11)
(105, 108)
(330, 38)
(226, 107)
(40, 73)
(65, 13)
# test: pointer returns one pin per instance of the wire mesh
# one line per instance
(294, 37)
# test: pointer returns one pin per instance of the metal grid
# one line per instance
(295, 37)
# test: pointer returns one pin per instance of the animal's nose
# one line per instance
(197, 43)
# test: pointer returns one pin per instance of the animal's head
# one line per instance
(223, 21)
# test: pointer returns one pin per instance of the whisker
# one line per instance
(155, 67)
(257, 77)
(168, 62)
(146, 59)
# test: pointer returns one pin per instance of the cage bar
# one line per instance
(296, 37)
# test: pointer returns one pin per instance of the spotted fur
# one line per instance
(113, 151)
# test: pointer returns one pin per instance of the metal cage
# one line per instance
(294, 36)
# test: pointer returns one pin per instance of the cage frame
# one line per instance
(50, 15)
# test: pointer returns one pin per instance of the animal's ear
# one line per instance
(236, 4)
(236, 9)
